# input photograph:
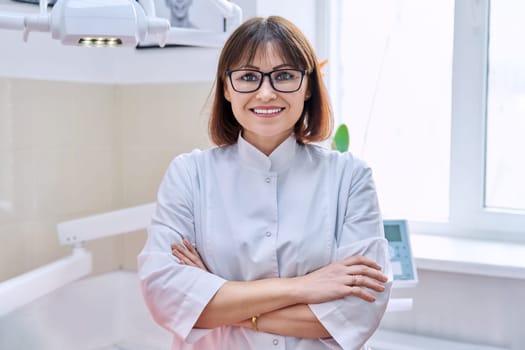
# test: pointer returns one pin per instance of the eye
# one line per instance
(285, 75)
(248, 76)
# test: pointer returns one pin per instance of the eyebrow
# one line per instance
(284, 65)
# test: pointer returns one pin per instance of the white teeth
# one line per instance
(267, 111)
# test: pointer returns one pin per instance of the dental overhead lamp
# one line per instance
(111, 23)
(100, 23)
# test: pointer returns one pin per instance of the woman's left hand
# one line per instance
(188, 255)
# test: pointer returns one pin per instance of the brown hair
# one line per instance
(316, 121)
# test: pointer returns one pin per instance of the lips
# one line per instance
(267, 112)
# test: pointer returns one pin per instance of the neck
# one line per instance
(265, 144)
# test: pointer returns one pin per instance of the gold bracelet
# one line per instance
(254, 323)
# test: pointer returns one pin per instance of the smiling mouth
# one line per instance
(267, 112)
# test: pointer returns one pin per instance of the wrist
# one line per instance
(296, 291)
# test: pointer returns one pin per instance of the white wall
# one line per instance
(302, 12)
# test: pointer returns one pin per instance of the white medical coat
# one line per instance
(252, 217)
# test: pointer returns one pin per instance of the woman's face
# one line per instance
(267, 116)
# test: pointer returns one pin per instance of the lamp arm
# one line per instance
(229, 10)
(39, 22)
(12, 21)
(43, 6)
(149, 7)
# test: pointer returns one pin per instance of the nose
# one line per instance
(266, 91)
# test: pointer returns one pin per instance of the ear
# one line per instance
(308, 93)
(227, 95)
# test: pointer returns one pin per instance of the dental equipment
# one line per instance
(112, 23)
(25, 288)
(194, 37)
(117, 222)
(91, 22)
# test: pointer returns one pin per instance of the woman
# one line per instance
(277, 243)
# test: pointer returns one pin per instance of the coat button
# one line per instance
(267, 180)
(268, 234)
(276, 342)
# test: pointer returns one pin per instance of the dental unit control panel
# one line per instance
(401, 258)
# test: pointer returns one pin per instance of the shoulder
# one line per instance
(184, 161)
(345, 169)
(347, 161)
(191, 162)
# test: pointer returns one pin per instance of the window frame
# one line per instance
(468, 216)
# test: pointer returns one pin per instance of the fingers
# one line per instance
(190, 247)
(362, 293)
(364, 276)
(362, 287)
(361, 260)
(183, 259)
(185, 253)
(361, 270)
(367, 282)
(362, 265)
(188, 254)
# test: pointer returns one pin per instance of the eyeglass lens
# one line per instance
(283, 80)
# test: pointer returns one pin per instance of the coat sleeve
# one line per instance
(351, 321)
(174, 293)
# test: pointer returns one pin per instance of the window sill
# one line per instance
(476, 257)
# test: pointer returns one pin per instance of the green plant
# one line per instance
(341, 139)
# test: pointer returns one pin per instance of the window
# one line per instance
(395, 96)
(505, 164)
(440, 126)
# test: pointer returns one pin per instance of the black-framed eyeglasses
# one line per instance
(282, 80)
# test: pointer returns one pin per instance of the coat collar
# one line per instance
(277, 161)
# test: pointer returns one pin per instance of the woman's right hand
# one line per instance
(353, 276)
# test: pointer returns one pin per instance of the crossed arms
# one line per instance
(282, 303)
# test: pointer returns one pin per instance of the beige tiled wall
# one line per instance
(157, 122)
(69, 150)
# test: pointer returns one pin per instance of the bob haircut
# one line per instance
(250, 38)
